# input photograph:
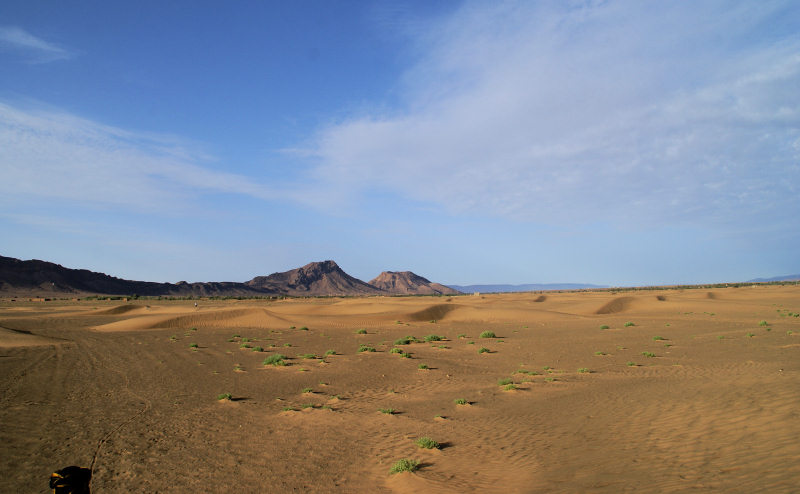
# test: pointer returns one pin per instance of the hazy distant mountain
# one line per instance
(316, 278)
(790, 277)
(535, 287)
(408, 283)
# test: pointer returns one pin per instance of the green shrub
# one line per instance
(629, 324)
(461, 401)
(330, 352)
(404, 465)
(405, 340)
(433, 337)
(483, 350)
(509, 387)
(504, 381)
(225, 396)
(308, 355)
(395, 350)
(462, 335)
(366, 348)
(193, 345)
(304, 328)
(427, 443)
(658, 338)
(762, 323)
(361, 331)
(649, 354)
(276, 359)
(604, 326)
(750, 334)
(258, 349)
(422, 367)
(387, 411)
(488, 334)
(308, 390)
(631, 364)
(584, 370)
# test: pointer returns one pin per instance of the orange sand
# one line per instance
(714, 410)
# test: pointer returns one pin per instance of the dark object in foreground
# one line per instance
(71, 480)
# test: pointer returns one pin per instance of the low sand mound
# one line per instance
(120, 309)
(540, 298)
(251, 317)
(434, 312)
(619, 304)
(11, 338)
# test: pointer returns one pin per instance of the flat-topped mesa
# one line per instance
(408, 283)
(316, 278)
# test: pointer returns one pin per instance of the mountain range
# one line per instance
(531, 287)
(324, 278)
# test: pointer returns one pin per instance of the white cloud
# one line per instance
(55, 156)
(551, 111)
(40, 51)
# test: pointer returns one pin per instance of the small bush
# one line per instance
(483, 350)
(387, 411)
(308, 390)
(330, 352)
(762, 323)
(584, 370)
(433, 337)
(460, 401)
(504, 381)
(366, 348)
(658, 338)
(224, 396)
(304, 328)
(427, 443)
(629, 324)
(404, 465)
(649, 354)
(258, 349)
(462, 335)
(509, 387)
(750, 334)
(405, 355)
(395, 350)
(276, 359)
(488, 334)
(422, 367)
(604, 326)
(361, 331)
(308, 355)
(600, 353)
(405, 340)
(193, 345)
(245, 340)
(631, 364)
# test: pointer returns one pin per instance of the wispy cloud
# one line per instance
(586, 111)
(54, 156)
(36, 50)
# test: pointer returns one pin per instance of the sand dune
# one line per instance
(695, 394)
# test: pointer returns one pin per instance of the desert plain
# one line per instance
(673, 390)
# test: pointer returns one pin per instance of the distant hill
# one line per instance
(316, 278)
(326, 278)
(523, 288)
(790, 277)
(44, 278)
(408, 283)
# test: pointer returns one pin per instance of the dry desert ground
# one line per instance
(693, 390)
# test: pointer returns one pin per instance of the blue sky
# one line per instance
(609, 142)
